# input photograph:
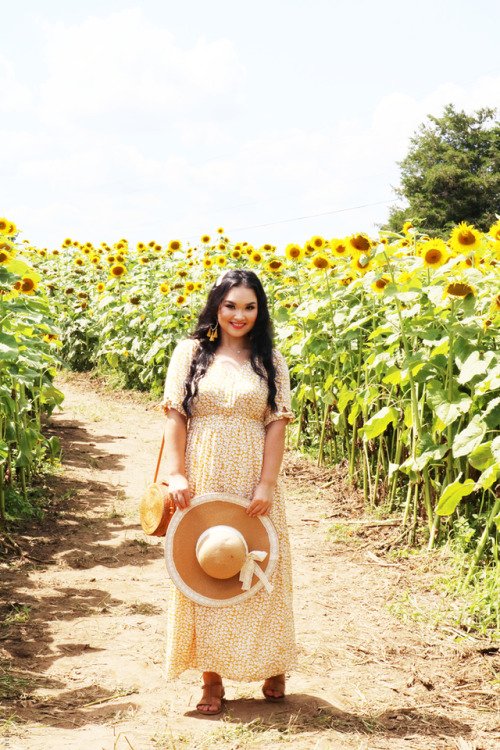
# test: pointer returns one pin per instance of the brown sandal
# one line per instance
(213, 695)
(274, 685)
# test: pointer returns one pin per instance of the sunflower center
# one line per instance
(465, 237)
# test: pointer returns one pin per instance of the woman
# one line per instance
(227, 401)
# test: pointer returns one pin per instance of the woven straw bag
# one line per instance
(156, 507)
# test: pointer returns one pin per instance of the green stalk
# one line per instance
(414, 403)
(2, 498)
(482, 542)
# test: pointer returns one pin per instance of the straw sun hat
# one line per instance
(216, 554)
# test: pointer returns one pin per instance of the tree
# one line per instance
(451, 173)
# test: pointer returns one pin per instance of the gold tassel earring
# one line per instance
(212, 332)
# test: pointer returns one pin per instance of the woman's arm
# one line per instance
(274, 448)
(175, 446)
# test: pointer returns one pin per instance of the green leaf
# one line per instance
(451, 496)
(488, 477)
(469, 439)
(474, 366)
(377, 424)
(9, 349)
(393, 377)
(481, 457)
(345, 397)
(447, 411)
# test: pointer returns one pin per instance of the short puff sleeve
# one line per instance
(283, 399)
(178, 370)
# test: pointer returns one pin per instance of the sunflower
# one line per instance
(340, 248)
(220, 230)
(268, 248)
(101, 286)
(67, 242)
(28, 286)
(79, 262)
(459, 289)
(164, 288)
(359, 243)
(50, 337)
(256, 257)
(144, 259)
(181, 273)
(198, 286)
(495, 303)
(174, 245)
(152, 243)
(362, 263)
(294, 252)
(120, 245)
(248, 248)
(120, 258)
(434, 253)
(111, 259)
(208, 262)
(318, 243)
(157, 248)
(180, 299)
(205, 239)
(346, 280)
(135, 300)
(321, 262)
(495, 231)
(117, 270)
(190, 287)
(5, 257)
(275, 265)
(43, 253)
(221, 260)
(407, 226)
(465, 238)
(221, 246)
(95, 259)
(4, 226)
(236, 254)
(141, 247)
(380, 284)
(83, 295)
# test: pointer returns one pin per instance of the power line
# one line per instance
(309, 216)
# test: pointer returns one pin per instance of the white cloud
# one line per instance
(16, 97)
(123, 71)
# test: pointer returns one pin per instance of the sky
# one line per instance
(276, 119)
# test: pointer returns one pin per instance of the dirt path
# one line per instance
(81, 647)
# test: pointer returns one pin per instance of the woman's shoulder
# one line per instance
(278, 359)
(186, 346)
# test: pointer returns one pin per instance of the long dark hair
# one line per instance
(261, 335)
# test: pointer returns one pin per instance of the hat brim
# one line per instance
(184, 531)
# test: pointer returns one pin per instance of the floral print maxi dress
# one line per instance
(224, 452)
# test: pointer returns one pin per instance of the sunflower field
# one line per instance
(27, 368)
(392, 342)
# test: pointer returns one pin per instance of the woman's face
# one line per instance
(238, 312)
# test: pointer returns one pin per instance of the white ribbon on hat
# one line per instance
(249, 568)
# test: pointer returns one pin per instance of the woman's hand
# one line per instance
(262, 500)
(179, 491)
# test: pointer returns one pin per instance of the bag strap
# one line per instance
(159, 458)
